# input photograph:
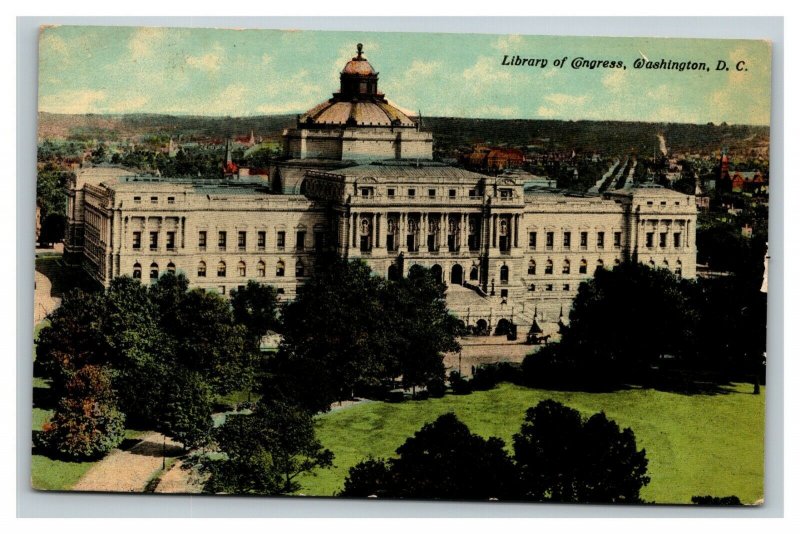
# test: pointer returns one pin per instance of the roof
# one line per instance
(409, 170)
(358, 113)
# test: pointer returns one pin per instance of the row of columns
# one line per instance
(424, 220)
(668, 225)
(512, 232)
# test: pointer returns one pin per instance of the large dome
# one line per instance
(358, 102)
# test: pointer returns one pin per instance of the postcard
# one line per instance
(439, 266)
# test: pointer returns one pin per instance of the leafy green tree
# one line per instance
(86, 423)
(187, 407)
(267, 451)
(561, 457)
(443, 460)
(256, 307)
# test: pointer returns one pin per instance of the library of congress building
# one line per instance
(357, 177)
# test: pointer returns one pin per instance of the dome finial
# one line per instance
(359, 48)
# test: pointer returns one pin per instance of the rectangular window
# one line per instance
(366, 191)
(532, 240)
(567, 239)
(281, 242)
(412, 192)
(452, 193)
(153, 200)
(506, 194)
(221, 290)
(170, 240)
(566, 287)
(201, 239)
(431, 193)
(548, 287)
(617, 239)
(242, 240)
(137, 240)
(301, 240)
(549, 240)
(223, 240)
(676, 239)
(153, 240)
(649, 239)
(262, 240)
(137, 200)
(584, 240)
(170, 200)
(601, 240)
(390, 192)
(662, 240)
(473, 193)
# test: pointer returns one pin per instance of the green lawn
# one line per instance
(696, 445)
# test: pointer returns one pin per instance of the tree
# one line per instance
(443, 460)
(255, 306)
(561, 457)
(267, 451)
(187, 407)
(86, 423)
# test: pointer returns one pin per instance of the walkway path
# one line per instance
(129, 470)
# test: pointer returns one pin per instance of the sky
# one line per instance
(95, 69)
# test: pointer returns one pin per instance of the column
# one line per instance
(401, 232)
(355, 229)
(464, 232)
(443, 229)
(372, 233)
(377, 230)
(516, 231)
(494, 231)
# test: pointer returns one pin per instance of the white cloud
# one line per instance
(210, 62)
(546, 112)
(486, 70)
(615, 81)
(561, 99)
(52, 42)
(145, 41)
(78, 101)
(507, 42)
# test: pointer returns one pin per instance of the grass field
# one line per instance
(696, 445)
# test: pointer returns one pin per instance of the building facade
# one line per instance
(357, 177)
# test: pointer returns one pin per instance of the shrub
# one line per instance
(436, 388)
(459, 384)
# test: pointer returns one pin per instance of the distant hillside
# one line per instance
(450, 134)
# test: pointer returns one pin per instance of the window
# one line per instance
(676, 239)
(565, 267)
(153, 240)
(651, 264)
(201, 239)
(137, 240)
(532, 240)
(548, 287)
(137, 200)
(170, 240)
(600, 263)
(221, 269)
(679, 268)
(201, 269)
(506, 194)
(171, 268)
(548, 267)
(532, 267)
(281, 242)
(242, 240)
(221, 290)
(649, 202)
(504, 274)
(301, 240)
(473, 193)
(319, 241)
(153, 200)
(170, 200)
(262, 240)
(601, 240)
(280, 269)
(663, 203)
(137, 271)
(431, 193)
(366, 191)
(452, 193)
(299, 270)
(241, 269)
(549, 240)
(649, 240)
(411, 192)
(567, 239)
(532, 287)
(617, 239)
(582, 267)
(584, 240)
(222, 242)
(153, 271)
(390, 192)
(662, 240)
(262, 269)
(565, 287)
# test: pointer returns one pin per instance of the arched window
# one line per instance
(241, 269)
(153, 271)
(531, 267)
(679, 268)
(665, 265)
(616, 261)
(171, 268)
(565, 267)
(262, 269)
(221, 269)
(201, 269)
(651, 264)
(600, 264)
(504, 274)
(137, 271)
(280, 269)
(548, 267)
(299, 269)
(473, 273)
(582, 268)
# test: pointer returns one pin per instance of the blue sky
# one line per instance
(89, 69)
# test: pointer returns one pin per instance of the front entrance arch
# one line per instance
(436, 271)
(457, 275)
